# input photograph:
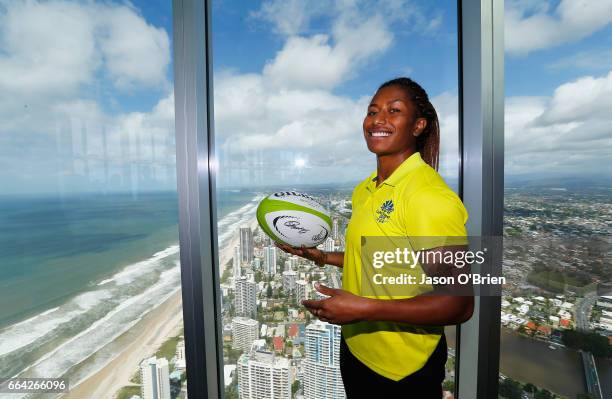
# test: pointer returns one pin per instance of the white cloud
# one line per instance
(57, 60)
(530, 26)
(47, 47)
(568, 132)
(313, 62)
(291, 17)
(56, 47)
(135, 52)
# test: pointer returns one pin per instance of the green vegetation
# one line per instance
(555, 281)
(128, 392)
(226, 272)
(168, 350)
(449, 385)
(294, 387)
(232, 354)
(588, 341)
(136, 378)
(510, 389)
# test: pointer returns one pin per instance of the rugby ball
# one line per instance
(294, 218)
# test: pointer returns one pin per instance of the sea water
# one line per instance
(77, 272)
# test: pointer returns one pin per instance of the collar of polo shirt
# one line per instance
(409, 164)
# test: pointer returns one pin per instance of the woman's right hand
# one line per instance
(313, 254)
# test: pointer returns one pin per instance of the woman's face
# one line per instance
(390, 126)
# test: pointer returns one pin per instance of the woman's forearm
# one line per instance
(334, 258)
(421, 310)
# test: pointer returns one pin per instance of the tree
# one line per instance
(294, 387)
(510, 389)
(543, 394)
(529, 387)
(449, 385)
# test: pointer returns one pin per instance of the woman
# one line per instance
(394, 347)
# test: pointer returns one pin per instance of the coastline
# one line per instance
(160, 324)
(154, 329)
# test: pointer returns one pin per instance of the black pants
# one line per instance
(362, 382)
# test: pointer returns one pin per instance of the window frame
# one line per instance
(481, 158)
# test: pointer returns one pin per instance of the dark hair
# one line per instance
(428, 142)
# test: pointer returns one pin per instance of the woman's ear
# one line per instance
(419, 126)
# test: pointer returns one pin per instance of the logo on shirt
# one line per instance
(384, 212)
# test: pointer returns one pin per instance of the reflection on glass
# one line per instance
(89, 265)
(292, 84)
(556, 312)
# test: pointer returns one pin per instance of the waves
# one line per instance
(58, 341)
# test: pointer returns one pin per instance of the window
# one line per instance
(291, 86)
(89, 274)
(557, 201)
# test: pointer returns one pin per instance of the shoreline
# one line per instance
(160, 324)
(154, 329)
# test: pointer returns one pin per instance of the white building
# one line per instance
(246, 297)
(155, 379)
(301, 291)
(321, 365)
(237, 262)
(180, 362)
(263, 375)
(270, 260)
(329, 245)
(289, 278)
(244, 333)
(335, 232)
(246, 244)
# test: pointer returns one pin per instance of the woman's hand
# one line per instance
(316, 255)
(342, 307)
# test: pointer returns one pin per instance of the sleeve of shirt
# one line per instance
(434, 214)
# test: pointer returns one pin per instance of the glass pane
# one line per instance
(557, 201)
(89, 269)
(292, 82)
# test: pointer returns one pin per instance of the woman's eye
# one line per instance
(393, 110)
(371, 113)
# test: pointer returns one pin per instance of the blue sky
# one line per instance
(88, 95)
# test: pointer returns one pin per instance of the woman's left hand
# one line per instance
(342, 307)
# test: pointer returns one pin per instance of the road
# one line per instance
(583, 310)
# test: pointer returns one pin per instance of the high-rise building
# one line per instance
(270, 260)
(244, 332)
(180, 362)
(321, 365)
(335, 232)
(301, 291)
(155, 379)
(263, 375)
(294, 260)
(246, 245)
(256, 264)
(237, 262)
(289, 277)
(246, 296)
(329, 245)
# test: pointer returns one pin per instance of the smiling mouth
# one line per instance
(379, 133)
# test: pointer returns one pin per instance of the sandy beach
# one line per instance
(156, 327)
(153, 330)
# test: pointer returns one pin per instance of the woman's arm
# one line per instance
(343, 307)
(319, 257)
(422, 310)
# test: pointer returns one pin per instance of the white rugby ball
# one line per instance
(294, 218)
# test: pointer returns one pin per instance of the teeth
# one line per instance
(380, 134)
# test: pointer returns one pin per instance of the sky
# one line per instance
(87, 89)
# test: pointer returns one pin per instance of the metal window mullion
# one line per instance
(196, 196)
(482, 138)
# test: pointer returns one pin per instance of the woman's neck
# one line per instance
(386, 164)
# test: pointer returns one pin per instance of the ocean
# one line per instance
(70, 266)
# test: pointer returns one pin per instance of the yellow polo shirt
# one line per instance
(413, 202)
